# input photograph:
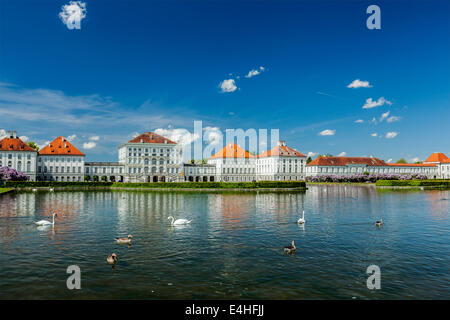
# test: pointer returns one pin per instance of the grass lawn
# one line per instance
(3, 190)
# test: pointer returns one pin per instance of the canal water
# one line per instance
(233, 248)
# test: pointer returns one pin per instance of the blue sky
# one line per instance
(139, 66)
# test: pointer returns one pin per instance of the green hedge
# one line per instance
(414, 183)
(175, 185)
(213, 185)
(36, 184)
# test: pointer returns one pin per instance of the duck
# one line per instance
(112, 259)
(291, 248)
(379, 223)
(51, 189)
(302, 219)
(34, 189)
(178, 221)
(124, 240)
(46, 222)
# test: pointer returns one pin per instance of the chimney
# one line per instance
(8, 134)
(142, 140)
(282, 143)
(14, 134)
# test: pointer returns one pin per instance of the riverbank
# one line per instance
(269, 186)
(342, 183)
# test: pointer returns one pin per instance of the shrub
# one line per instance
(362, 177)
(214, 185)
(10, 174)
(414, 183)
(33, 184)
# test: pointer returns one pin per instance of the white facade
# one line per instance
(60, 168)
(199, 172)
(371, 165)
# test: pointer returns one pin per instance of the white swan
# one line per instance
(178, 221)
(302, 219)
(51, 189)
(46, 222)
(34, 189)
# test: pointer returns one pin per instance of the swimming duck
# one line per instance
(112, 259)
(302, 219)
(34, 189)
(124, 240)
(291, 248)
(46, 222)
(379, 223)
(51, 189)
(178, 221)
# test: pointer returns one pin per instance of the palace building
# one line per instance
(60, 161)
(150, 157)
(16, 154)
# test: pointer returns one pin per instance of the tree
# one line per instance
(402, 160)
(308, 160)
(104, 178)
(33, 145)
(95, 178)
(87, 178)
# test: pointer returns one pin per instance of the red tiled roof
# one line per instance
(281, 151)
(436, 157)
(61, 146)
(446, 160)
(232, 151)
(342, 161)
(151, 137)
(14, 144)
(411, 164)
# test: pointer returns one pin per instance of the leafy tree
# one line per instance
(308, 160)
(402, 160)
(33, 145)
(87, 178)
(95, 178)
(104, 178)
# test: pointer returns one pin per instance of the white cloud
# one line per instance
(327, 132)
(72, 137)
(359, 84)
(342, 154)
(24, 138)
(254, 72)
(94, 138)
(72, 14)
(42, 145)
(416, 159)
(374, 120)
(181, 136)
(372, 103)
(374, 134)
(2, 133)
(393, 119)
(384, 116)
(213, 136)
(231, 113)
(359, 121)
(228, 85)
(389, 161)
(312, 154)
(391, 135)
(89, 145)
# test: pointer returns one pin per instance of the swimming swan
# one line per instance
(178, 221)
(45, 222)
(302, 219)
